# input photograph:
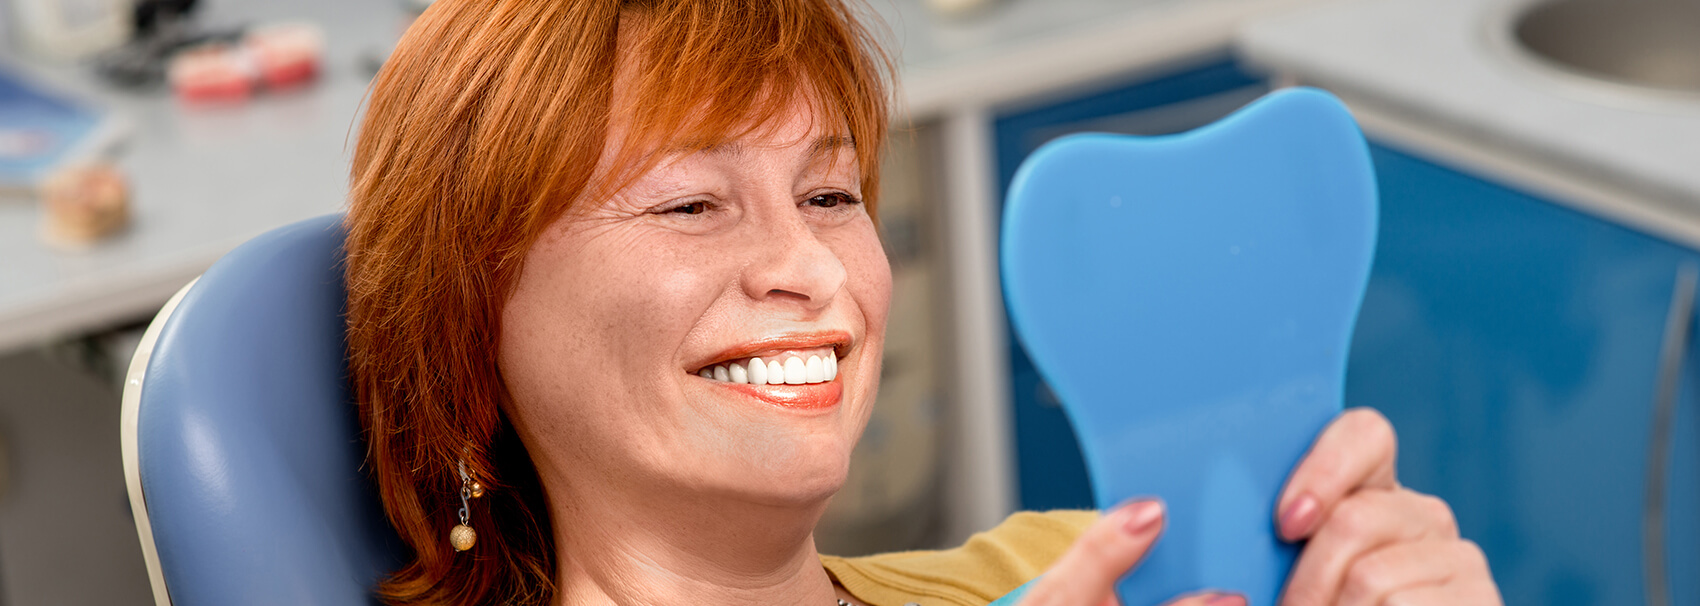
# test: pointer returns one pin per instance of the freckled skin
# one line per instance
(707, 251)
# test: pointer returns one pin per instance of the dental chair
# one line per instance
(241, 446)
(1190, 299)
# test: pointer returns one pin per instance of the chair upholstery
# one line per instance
(1190, 300)
(242, 442)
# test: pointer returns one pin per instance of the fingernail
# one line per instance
(1142, 517)
(1300, 517)
(1226, 599)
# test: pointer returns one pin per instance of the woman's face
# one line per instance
(756, 249)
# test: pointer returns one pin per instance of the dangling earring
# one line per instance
(462, 536)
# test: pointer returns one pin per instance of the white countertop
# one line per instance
(1030, 51)
(203, 180)
(1436, 64)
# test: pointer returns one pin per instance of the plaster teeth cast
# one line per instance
(792, 371)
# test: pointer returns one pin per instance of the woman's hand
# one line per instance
(1086, 574)
(1373, 542)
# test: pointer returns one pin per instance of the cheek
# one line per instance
(869, 277)
(594, 321)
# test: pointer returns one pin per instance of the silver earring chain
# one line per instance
(465, 493)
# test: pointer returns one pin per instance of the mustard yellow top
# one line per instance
(989, 565)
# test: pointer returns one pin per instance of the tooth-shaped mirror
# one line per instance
(1190, 300)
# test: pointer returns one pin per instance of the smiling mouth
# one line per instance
(783, 359)
(793, 371)
(787, 368)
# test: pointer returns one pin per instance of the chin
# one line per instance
(808, 476)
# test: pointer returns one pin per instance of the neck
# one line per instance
(621, 547)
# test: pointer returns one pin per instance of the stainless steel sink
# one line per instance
(1648, 44)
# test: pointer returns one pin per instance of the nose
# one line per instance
(792, 264)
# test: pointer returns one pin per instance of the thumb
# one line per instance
(1086, 574)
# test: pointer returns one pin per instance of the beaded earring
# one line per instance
(462, 536)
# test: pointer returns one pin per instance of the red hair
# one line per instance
(487, 123)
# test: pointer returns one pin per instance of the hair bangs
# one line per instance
(709, 73)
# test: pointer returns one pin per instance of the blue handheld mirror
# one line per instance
(1190, 300)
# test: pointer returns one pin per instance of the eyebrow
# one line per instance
(832, 143)
(821, 146)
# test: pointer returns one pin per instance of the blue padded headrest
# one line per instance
(249, 446)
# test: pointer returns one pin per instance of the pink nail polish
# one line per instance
(1300, 518)
(1143, 517)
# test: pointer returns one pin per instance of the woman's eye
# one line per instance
(833, 199)
(693, 208)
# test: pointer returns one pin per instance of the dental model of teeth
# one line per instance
(794, 371)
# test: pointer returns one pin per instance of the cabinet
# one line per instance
(1515, 346)
(1514, 343)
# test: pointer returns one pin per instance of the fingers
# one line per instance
(1425, 595)
(1469, 586)
(1372, 579)
(1086, 574)
(1372, 542)
(1350, 541)
(1354, 452)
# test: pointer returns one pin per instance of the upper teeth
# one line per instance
(793, 371)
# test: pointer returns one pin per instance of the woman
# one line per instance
(617, 305)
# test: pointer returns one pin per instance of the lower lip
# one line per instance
(812, 396)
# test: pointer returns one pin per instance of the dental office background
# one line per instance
(1526, 327)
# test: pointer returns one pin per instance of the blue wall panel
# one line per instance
(1514, 344)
